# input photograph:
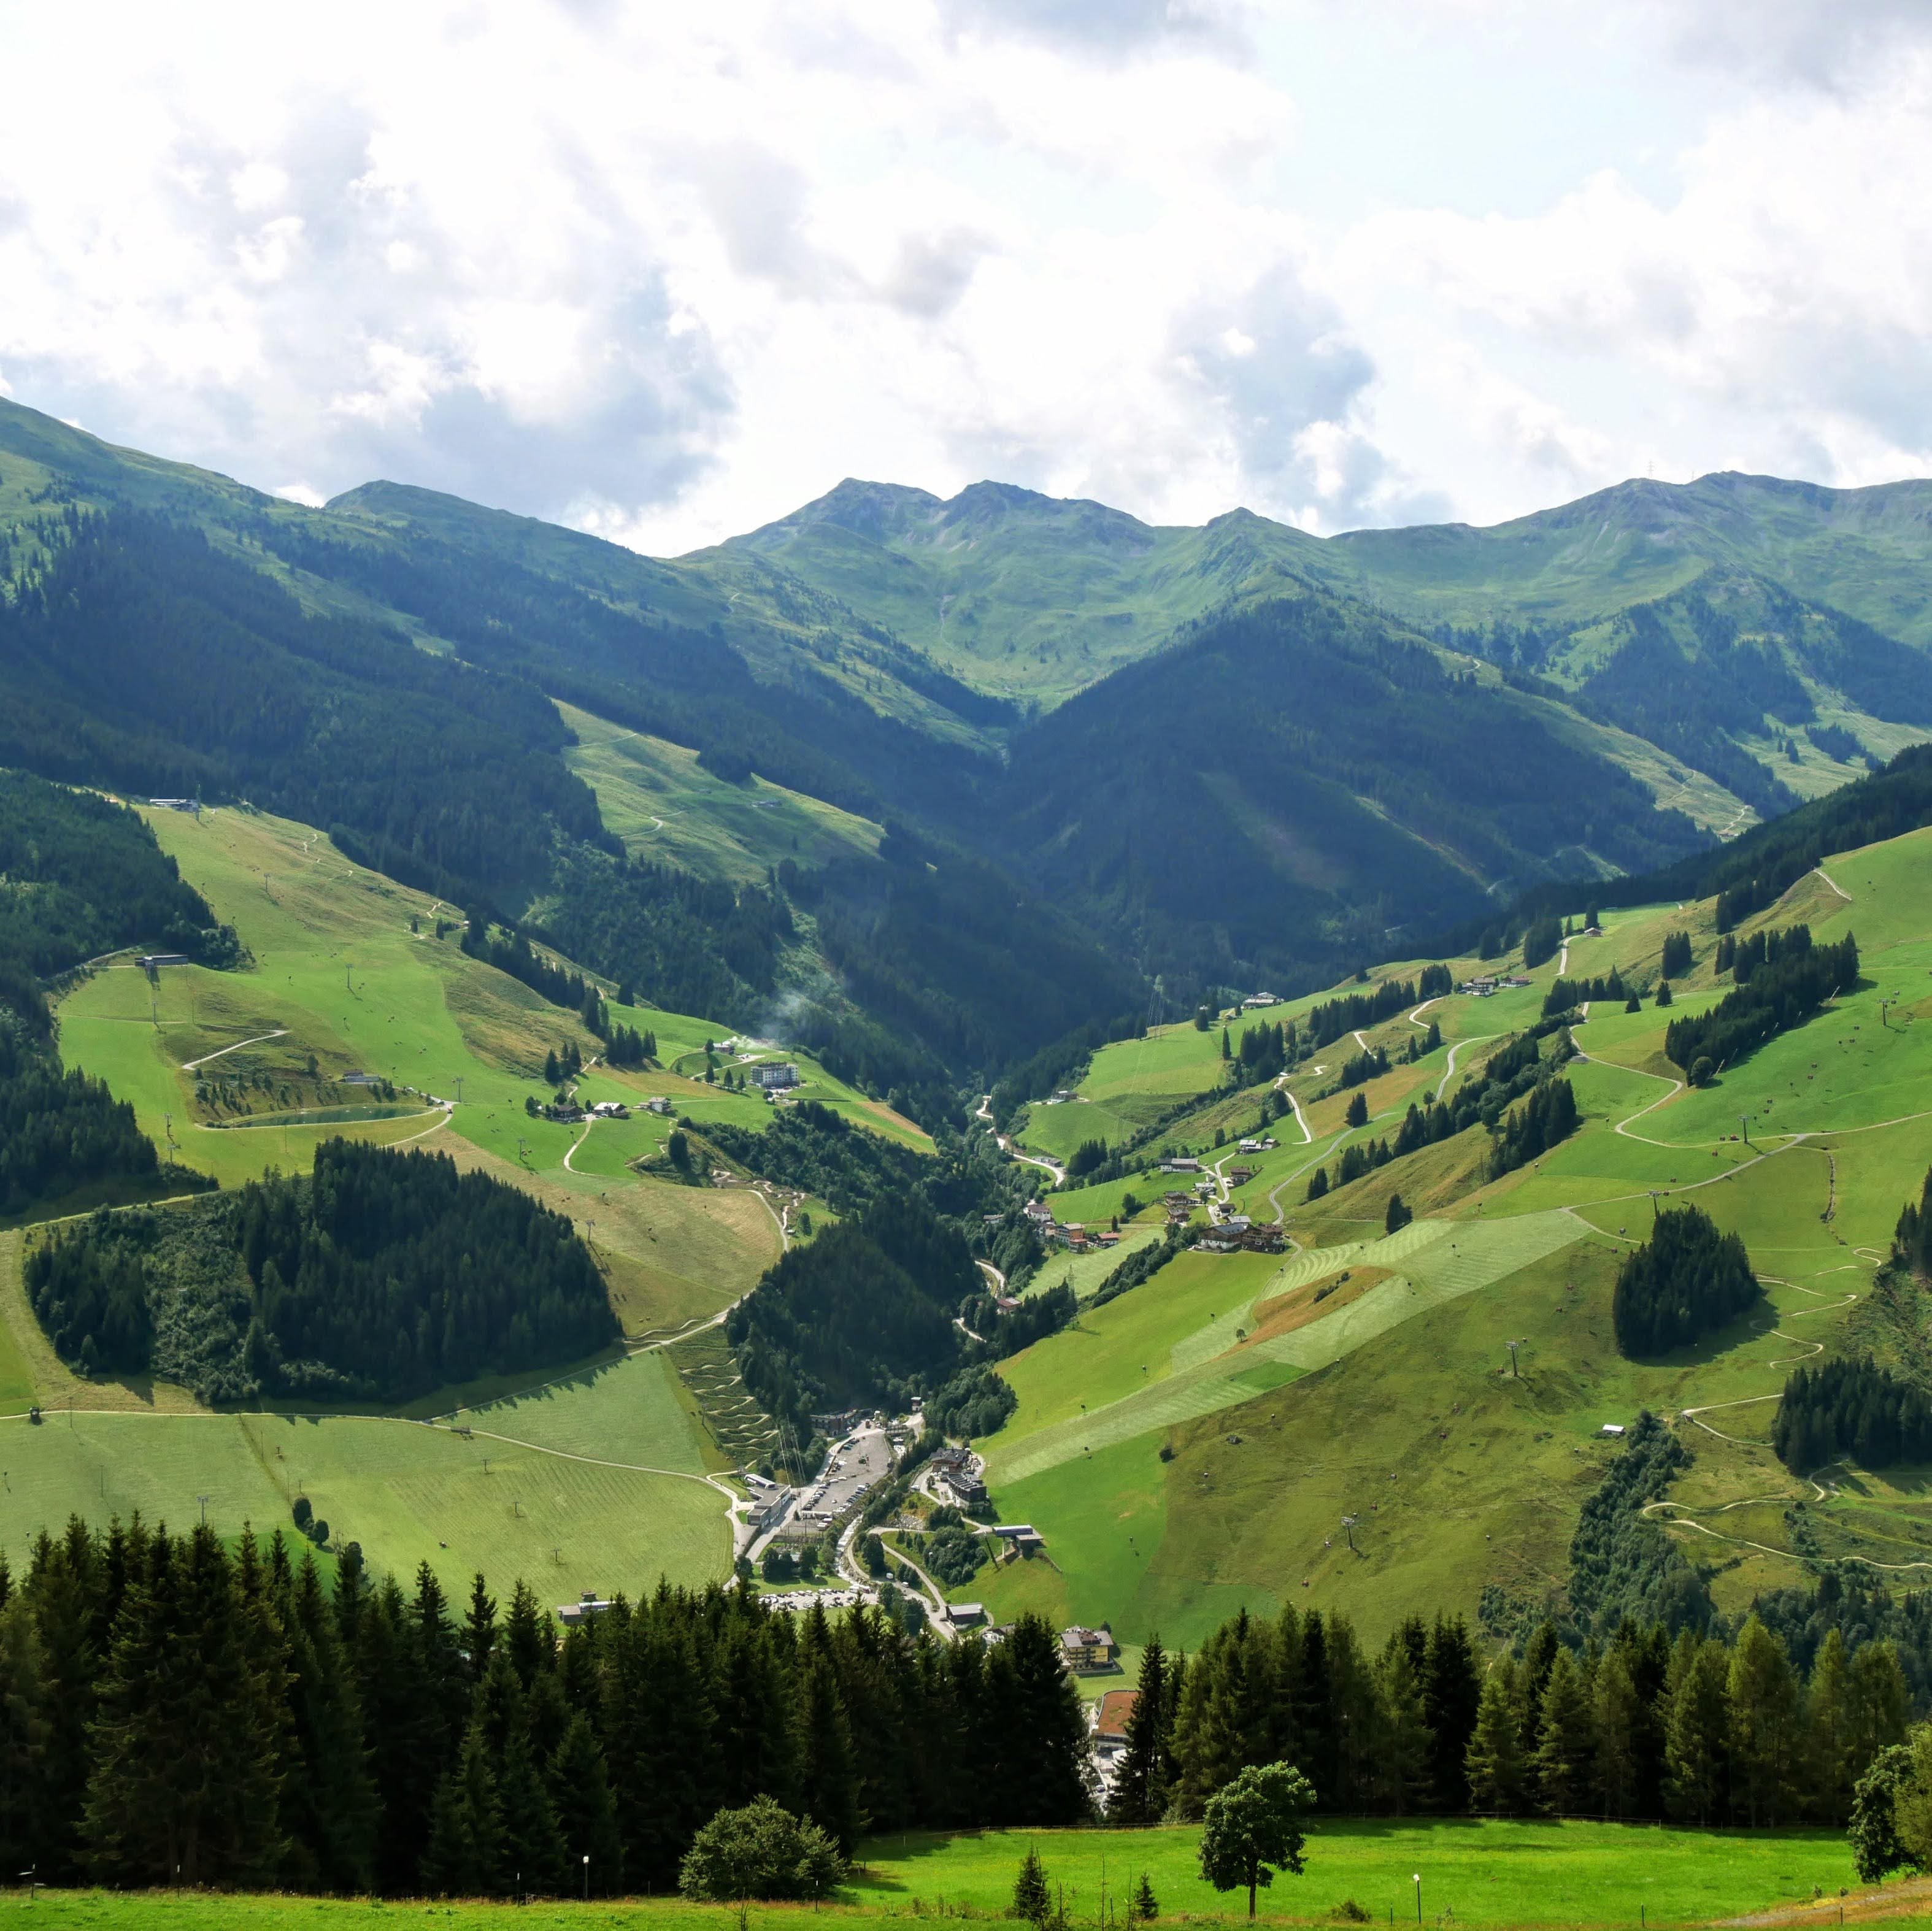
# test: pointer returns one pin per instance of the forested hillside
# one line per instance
(79, 876)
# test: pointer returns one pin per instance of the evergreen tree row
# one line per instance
(1356, 1012)
(1853, 1408)
(1697, 1730)
(381, 1274)
(1776, 996)
(171, 1713)
(1566, 995)
(1547, 1116)
(1686, 1280)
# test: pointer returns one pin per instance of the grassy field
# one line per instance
(594, 1478)
(1196, 1444)
(657, 799)
(1491, 1874)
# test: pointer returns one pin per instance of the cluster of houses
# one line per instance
(1238, 1234)
(1488, 985)
(1073, 1235)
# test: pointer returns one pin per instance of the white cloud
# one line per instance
(669, 271)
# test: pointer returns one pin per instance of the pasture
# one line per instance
(1491, 1874)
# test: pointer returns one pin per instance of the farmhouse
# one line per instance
(1239, 1176)
(1179, 1163)
(966, 1615)
(658, 1103)
(1255, 1001)
(610, 1109)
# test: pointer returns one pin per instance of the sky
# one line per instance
(666, 271)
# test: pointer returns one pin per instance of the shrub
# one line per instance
(762, 1851)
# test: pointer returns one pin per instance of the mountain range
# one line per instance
(1115, 767)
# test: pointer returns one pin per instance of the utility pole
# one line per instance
(203, 1501)
(1515, 1374)
(1743, 1120)
(1653, 1205)
(1348, 1528)
(459, 1089)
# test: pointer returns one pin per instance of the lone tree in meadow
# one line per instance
(1031, 1904)
(761, 1851)
(1252, 1826)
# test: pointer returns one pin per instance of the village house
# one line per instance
(1088, 1652)
(1255, 1001)
(588, 1605)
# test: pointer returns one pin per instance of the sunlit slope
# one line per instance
(1391, 1397)
(667, 809)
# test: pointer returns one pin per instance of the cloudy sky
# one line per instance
(666, 270)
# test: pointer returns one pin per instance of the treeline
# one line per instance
(1853, 1408)
(380, 1275)
(1754, 871)
(1685, 1281)
(811, 1147)
(173, 1714)
(1546, 1117)
(88, 877)
(1796, 979)
(1566, 995)
(1357, 1011)
(1697, 1730)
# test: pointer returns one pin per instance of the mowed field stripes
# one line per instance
(1437, 1261)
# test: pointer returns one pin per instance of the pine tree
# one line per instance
(1143, 1907)
(1765, 1725)
(1881, 1704)
(828, 1783)
(186, 1778)
(1618, 1716)
(1830, 1726)
(1140, 1789)
(532, 1845)
(1031, 1903)
(1451, 1690)
(1042, 1745)
(479, 1629)
(464, 1855)
(1696, 1722)
(1406, 1745)
(1565, 1747)
(587, 1814)
(330, 1807)
(1494, 1760)
(24, 1730)
(1357, 1114)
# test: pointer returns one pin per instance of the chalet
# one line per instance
(1039, 1212)
(176, 805)
(1255, 1001)
(658, 1103)
(948, 1458)
(1263, 1240)
(1064, 1097)
(610, 1109)
(1248, 1146)
(966, 1615)
(588, 1605)
(1239, 1176)
(1179, 1163)
(775, 1074)
(360, 1079)
(1178, 1203)
(1087, 1652)
(1219, 1240)
(1107, 1237)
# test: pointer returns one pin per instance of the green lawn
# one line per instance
(1495, 1874)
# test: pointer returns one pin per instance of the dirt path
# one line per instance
(1449, 1070)
(189, 1065)
(1833, 884)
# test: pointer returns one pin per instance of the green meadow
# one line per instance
(665, 806)
(1196, 1443)
(1487, 1873)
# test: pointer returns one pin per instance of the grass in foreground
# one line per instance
(1485, 1873)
